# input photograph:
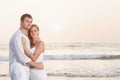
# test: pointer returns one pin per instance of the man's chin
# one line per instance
(29, 27)
(26, 28)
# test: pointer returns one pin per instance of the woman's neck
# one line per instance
(36, 41)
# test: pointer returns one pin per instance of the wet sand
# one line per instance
(70, 78)
(76, 68)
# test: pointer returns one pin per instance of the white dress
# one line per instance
(37, 74)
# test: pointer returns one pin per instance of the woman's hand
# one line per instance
(23, 42)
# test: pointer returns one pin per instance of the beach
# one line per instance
(76, 62)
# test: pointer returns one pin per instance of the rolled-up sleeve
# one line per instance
(22, 58)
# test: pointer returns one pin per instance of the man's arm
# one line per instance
(22, 58)
(39, 49)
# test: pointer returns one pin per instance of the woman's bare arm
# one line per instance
(39, 49)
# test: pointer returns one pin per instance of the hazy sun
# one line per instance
(57, 27)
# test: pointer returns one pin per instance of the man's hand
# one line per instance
(40, 66)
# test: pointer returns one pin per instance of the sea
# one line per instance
(74, 60)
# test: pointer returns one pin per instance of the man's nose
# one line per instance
(29, 24)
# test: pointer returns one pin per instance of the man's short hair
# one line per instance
(25, 15)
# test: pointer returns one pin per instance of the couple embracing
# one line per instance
(26, 52)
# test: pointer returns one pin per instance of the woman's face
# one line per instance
(34, 32)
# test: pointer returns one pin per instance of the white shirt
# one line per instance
(17, 57)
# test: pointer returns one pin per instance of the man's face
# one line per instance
(26, 23)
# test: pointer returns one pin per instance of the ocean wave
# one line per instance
(72, 57)
(84, 75)
(54, 46)
(117, 74)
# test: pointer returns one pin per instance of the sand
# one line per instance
(70, 78)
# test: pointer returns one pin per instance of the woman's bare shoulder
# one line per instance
(41, 43)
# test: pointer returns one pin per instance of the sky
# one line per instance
(64, 21)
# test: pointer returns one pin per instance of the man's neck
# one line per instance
(25, 32)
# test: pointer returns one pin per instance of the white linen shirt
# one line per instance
(17, 58)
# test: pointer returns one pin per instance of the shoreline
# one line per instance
(81, 68)
(70, 78)
(71, 75)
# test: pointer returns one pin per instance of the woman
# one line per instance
(36, 52)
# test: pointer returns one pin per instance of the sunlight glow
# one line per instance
(57, 27)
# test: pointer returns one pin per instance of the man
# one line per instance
(19, 63)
